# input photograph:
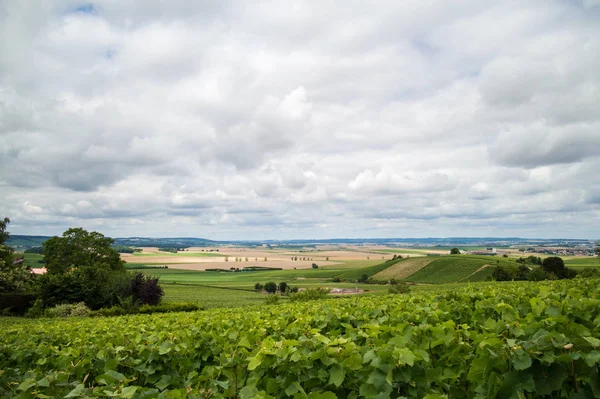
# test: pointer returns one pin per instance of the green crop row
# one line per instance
(514, 340)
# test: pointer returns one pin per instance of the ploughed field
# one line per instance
(500, 340)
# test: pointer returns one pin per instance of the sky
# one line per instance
(234, 120)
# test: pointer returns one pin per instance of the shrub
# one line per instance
(16, 302)
(258, 287)
(68, 310)
(282, 287)
(589, 272)
(363, 278)
(399, 288)
(37, 310)
(310, 294)
(315, 266)
(146, 290)
(270, 287)
(272, 300)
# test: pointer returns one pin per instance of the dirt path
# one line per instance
(475, 272)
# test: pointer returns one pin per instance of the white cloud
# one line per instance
(227, 120)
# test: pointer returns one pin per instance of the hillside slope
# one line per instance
(403, 269)
(454, 268)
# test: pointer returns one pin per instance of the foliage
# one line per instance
(68, 310)
(315, 266)
(272, 299)
(556, 266)
(589, 272)
(258, 287)
(145, 289)
(13, 276)
(34, 250)
(310, 294)
(146, 309)
(282, 287)
(78, 248)
(515, 340)
(455, 251)
(532, 260)
(16, 302)
(270, 287)
(399, 288)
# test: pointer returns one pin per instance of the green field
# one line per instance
(455, 268)
(210, 297)
(579, 263)
(33, 260)
(511, 340)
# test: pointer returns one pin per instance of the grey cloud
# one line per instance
(229, 120)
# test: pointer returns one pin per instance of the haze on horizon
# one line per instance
(242, 120)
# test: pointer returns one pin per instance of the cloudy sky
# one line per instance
(301, 119)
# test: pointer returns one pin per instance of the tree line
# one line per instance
(82, 267)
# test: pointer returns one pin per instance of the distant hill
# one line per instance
(23, 242)
(165, 242)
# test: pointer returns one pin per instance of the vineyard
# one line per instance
(515, 340)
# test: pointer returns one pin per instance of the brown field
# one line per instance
(256, 257)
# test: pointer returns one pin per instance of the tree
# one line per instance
(455, 251)
(282, 287)
(270, 287)
(555, 265)
(258, 287)
(78, 249)
(14, 276)
(315, 266)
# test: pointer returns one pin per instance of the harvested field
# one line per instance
(404, 269)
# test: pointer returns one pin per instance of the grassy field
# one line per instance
(33, 260)
(450, 269)
(210, 297)
(580, 263)
(404, 269)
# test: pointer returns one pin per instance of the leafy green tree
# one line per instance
(78, 248)
(556, 266)
(282, 287)
(13, 276)
(270, 287)
(455, 251)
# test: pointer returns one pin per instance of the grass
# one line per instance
(580, 263)
(33, 260)
(404, 269)
(454, 268)
(210, 297)
(369, 271)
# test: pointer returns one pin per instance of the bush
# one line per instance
(363, 278)
(310, 294)
(282, 287)
(589, 272)
(272, 300)
(147, 309)
(399, 288)
(270, 287)
(16, 302)
(315, 266)
(68, 310)
(258, 287)
(146, 290)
